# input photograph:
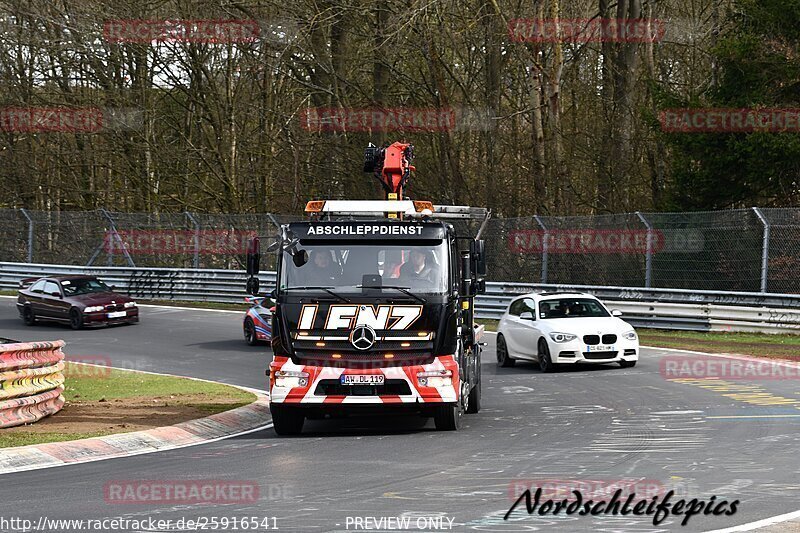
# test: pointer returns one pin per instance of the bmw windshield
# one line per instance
(571, 308)
(347, 267)
(76, 287)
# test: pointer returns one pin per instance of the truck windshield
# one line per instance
(345, 267)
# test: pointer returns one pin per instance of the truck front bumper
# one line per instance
(433, 383)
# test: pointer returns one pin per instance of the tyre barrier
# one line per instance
(31, 381)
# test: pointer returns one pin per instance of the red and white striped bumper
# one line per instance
(308, 394)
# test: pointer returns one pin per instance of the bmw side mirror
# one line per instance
(527, 315)
(616, 312)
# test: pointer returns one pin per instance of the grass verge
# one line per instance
(756, 344)
(101, 401)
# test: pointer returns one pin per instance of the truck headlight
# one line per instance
(128, 305)
(435, 378)
(290, 378)
(93, 309)
(630, 335)
(562, 337)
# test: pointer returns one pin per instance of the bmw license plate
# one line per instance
(600, 348)
(116, 314)
(362, 379)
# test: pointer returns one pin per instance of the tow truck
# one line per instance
(374, 306)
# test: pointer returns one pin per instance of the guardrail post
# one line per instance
(764, 249)
(196, 239)
(648, 261)
(545, 236)
(30, 235)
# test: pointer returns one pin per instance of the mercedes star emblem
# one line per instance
(362, 337)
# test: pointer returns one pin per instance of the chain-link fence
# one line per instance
(735, 250)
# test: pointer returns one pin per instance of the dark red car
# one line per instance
(77, 300)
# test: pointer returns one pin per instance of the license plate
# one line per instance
(600, 348)
(362, 379)
(116, 314)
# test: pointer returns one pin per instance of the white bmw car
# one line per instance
(564, 328)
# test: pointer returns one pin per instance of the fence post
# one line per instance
(116, 237)
(30, 235)
(648, 261)
(545, 236)
(196, 239)
(764, 249)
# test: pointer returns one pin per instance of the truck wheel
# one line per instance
(286, 421)
(447, 417)
(474, 403)
(250, 336)
(503, 359)
(28, 316)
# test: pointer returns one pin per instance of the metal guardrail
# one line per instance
(643, 307)
(226, 286)
(31, 381)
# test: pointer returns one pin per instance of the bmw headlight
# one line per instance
(562, 337)
(128, 305)
(630, 335)
(93, 309)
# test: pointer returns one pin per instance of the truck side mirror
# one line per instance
(253, 257)
(466, 273)
(478, 252)
(480, 286)
(252, 285)
(300, 258)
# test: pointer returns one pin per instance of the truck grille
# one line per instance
(370, 359)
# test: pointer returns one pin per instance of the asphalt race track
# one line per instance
(593, 426)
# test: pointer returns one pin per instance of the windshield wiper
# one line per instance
(404, 290)
(326, 289)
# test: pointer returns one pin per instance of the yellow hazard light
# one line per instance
(420, 206)
(422, 333)
(337, 356)
(388, 356)
(405, 344)
(320, 344)
(315, 206)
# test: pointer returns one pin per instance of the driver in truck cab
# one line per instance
(322, 267)
(418, 267)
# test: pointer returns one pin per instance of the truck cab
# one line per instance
(374, 312)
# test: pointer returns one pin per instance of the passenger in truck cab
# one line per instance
(419, 267)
